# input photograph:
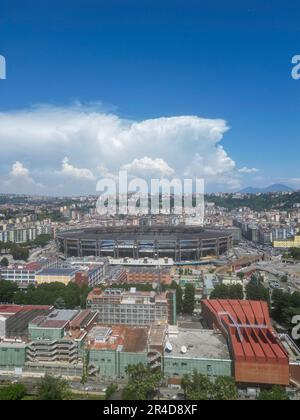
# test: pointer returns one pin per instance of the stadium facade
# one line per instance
(181, 243)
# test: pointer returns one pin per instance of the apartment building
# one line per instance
(117, 306)
(148, 275)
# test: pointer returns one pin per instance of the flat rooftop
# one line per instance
(118, 337)
(200, 344)
(12, 344)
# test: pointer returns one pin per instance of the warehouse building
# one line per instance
(12, 354)
(198, 350)
(112, 349)
(14, 319)
(59, 337)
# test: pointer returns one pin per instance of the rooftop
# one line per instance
(56, 319)
(200, 344)
(118, 337)
(132, 233)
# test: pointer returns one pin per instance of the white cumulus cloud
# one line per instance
(78, 173)
(98, 143)
(246, 170)
(18, 170)
(148, 166)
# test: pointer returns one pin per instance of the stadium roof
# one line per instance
(144, 232)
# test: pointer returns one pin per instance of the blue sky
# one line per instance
(144, 60)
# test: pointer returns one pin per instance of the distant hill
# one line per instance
(271, 189)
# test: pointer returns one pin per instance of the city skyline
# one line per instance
(183, 91)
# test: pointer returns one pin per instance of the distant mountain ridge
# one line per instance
(271, 189)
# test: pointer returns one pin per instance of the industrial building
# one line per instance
(180, 243)
(14, 319)
(198, 350)
(112, 349)
(54, 342)
(257, 353)
(117, 306)
(59, 336)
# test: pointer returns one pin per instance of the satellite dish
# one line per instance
(154, 285)
(169, 347)
(183, 349)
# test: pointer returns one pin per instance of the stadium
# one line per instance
(181, 243)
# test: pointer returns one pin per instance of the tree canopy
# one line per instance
(276, 393)
(52, 388)
(13, 392)
(64, 296)
(4, 262)
(255, 290)
(142, 384)
(285, 306)
(222, 291)
(199, 387)
(188, 304)
(8, 289)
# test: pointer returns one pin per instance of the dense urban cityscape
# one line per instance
(90, 298)
(149, 203)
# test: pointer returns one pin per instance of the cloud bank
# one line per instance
(66, 149)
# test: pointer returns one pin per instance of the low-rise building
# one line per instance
(148, 275)
(198, 350)
(60, 275)
(117, 306)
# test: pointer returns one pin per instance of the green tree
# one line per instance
(13, 392)
(142, 384)
(188, 305)
(276, 393)
(255, 290)
(60, 303)
(199, 387)
(73, 295)
(4, 262)
(110, 391)
(225, 389)
(19, 253)
(285, 306)
(52, 388)
(179, 295)
(42, 240)
(236, 291)
(7, 291)
(222, 291)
